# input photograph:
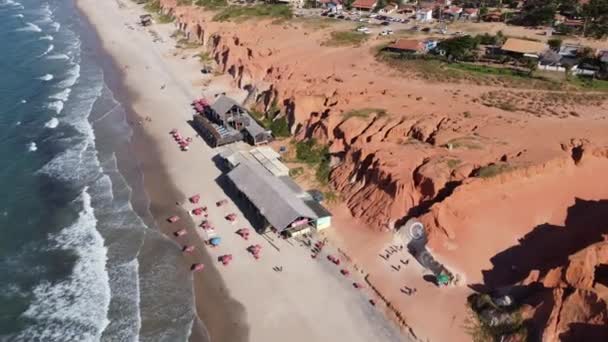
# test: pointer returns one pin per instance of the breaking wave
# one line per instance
(46, 77)
(47, 37)
(83, 298)
(53, 123)
(32, 147)
(58, 56)
(30, 27)
(57, 106)
(62, 95)
(48, 50)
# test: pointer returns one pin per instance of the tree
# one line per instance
(555, 43)
(595, 14)
(531, 65)
(568, 71)
(459, 48)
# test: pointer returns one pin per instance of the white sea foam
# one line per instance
(62, 95)
(11, 3)
(56, 26)
(18, 15)
(46, 77)
(76, 308)
(18, 123)
(57, 106)
(58, 56)
(30, 27)
(49, 49)
(23, 101)
(32, 147)
(53, 123)
(72, 77)
(47, 37)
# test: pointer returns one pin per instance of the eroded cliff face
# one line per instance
(425, 141)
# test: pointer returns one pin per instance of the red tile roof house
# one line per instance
(453, 12)
(364, 5)
(407, 46)
(470, 13)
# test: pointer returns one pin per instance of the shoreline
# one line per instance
(247, 300)
(159, 196)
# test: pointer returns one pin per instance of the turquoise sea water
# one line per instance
(70, 243)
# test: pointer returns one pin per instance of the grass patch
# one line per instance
(184, 43)
(165, 18)
(315, 155)
(212, 4)
(152, 6)
(330, 196)
(589, 83)
(493, 170)
(296, 171)
(346, 38)
(204, 57)
(278, 126)
(364, 113)
(318, 23)
(242, 13)
(453, 163)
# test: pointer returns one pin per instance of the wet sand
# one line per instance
(154, 198)
(311, 300)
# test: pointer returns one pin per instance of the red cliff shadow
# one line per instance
(548, 246)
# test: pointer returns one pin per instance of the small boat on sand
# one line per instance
(180, 232)
(194, 199)
(225, 259)
(173, 219)
(221, 203)
(188, 249)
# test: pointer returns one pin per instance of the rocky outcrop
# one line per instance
(424, 143)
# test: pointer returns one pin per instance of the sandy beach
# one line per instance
(309, 300)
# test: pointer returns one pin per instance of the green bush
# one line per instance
(315, 155)
(346, 38)
(212, 4)
(280, 127)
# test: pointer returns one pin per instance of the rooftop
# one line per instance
(407, 45)
(368, 4)
(223, 104)
(273, 198)
(524, 46)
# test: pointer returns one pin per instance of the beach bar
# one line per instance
(226, 122)
(273, 202)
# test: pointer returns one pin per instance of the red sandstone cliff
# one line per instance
(391, 165)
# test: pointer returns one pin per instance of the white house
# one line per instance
(388, 9)
(424, 14)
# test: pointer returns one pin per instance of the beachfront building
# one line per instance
(268, 197)
(226, 122)
(412, 46)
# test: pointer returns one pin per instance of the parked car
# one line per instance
(426, 29)
(324, 14)
(331, 15)
(385, 23)
(341, 16)
(373, 15)
(364, 29)
(415, 28)
(386, 32)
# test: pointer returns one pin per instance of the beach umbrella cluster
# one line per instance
(181, 141)
(200, 105)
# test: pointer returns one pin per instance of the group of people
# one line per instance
(278, 268)
(408, 290)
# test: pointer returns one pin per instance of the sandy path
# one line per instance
(308, 301)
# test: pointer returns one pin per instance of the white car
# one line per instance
(364, 29)
(386, 32)
(373, 15)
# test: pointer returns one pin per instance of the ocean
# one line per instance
(80, 256)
